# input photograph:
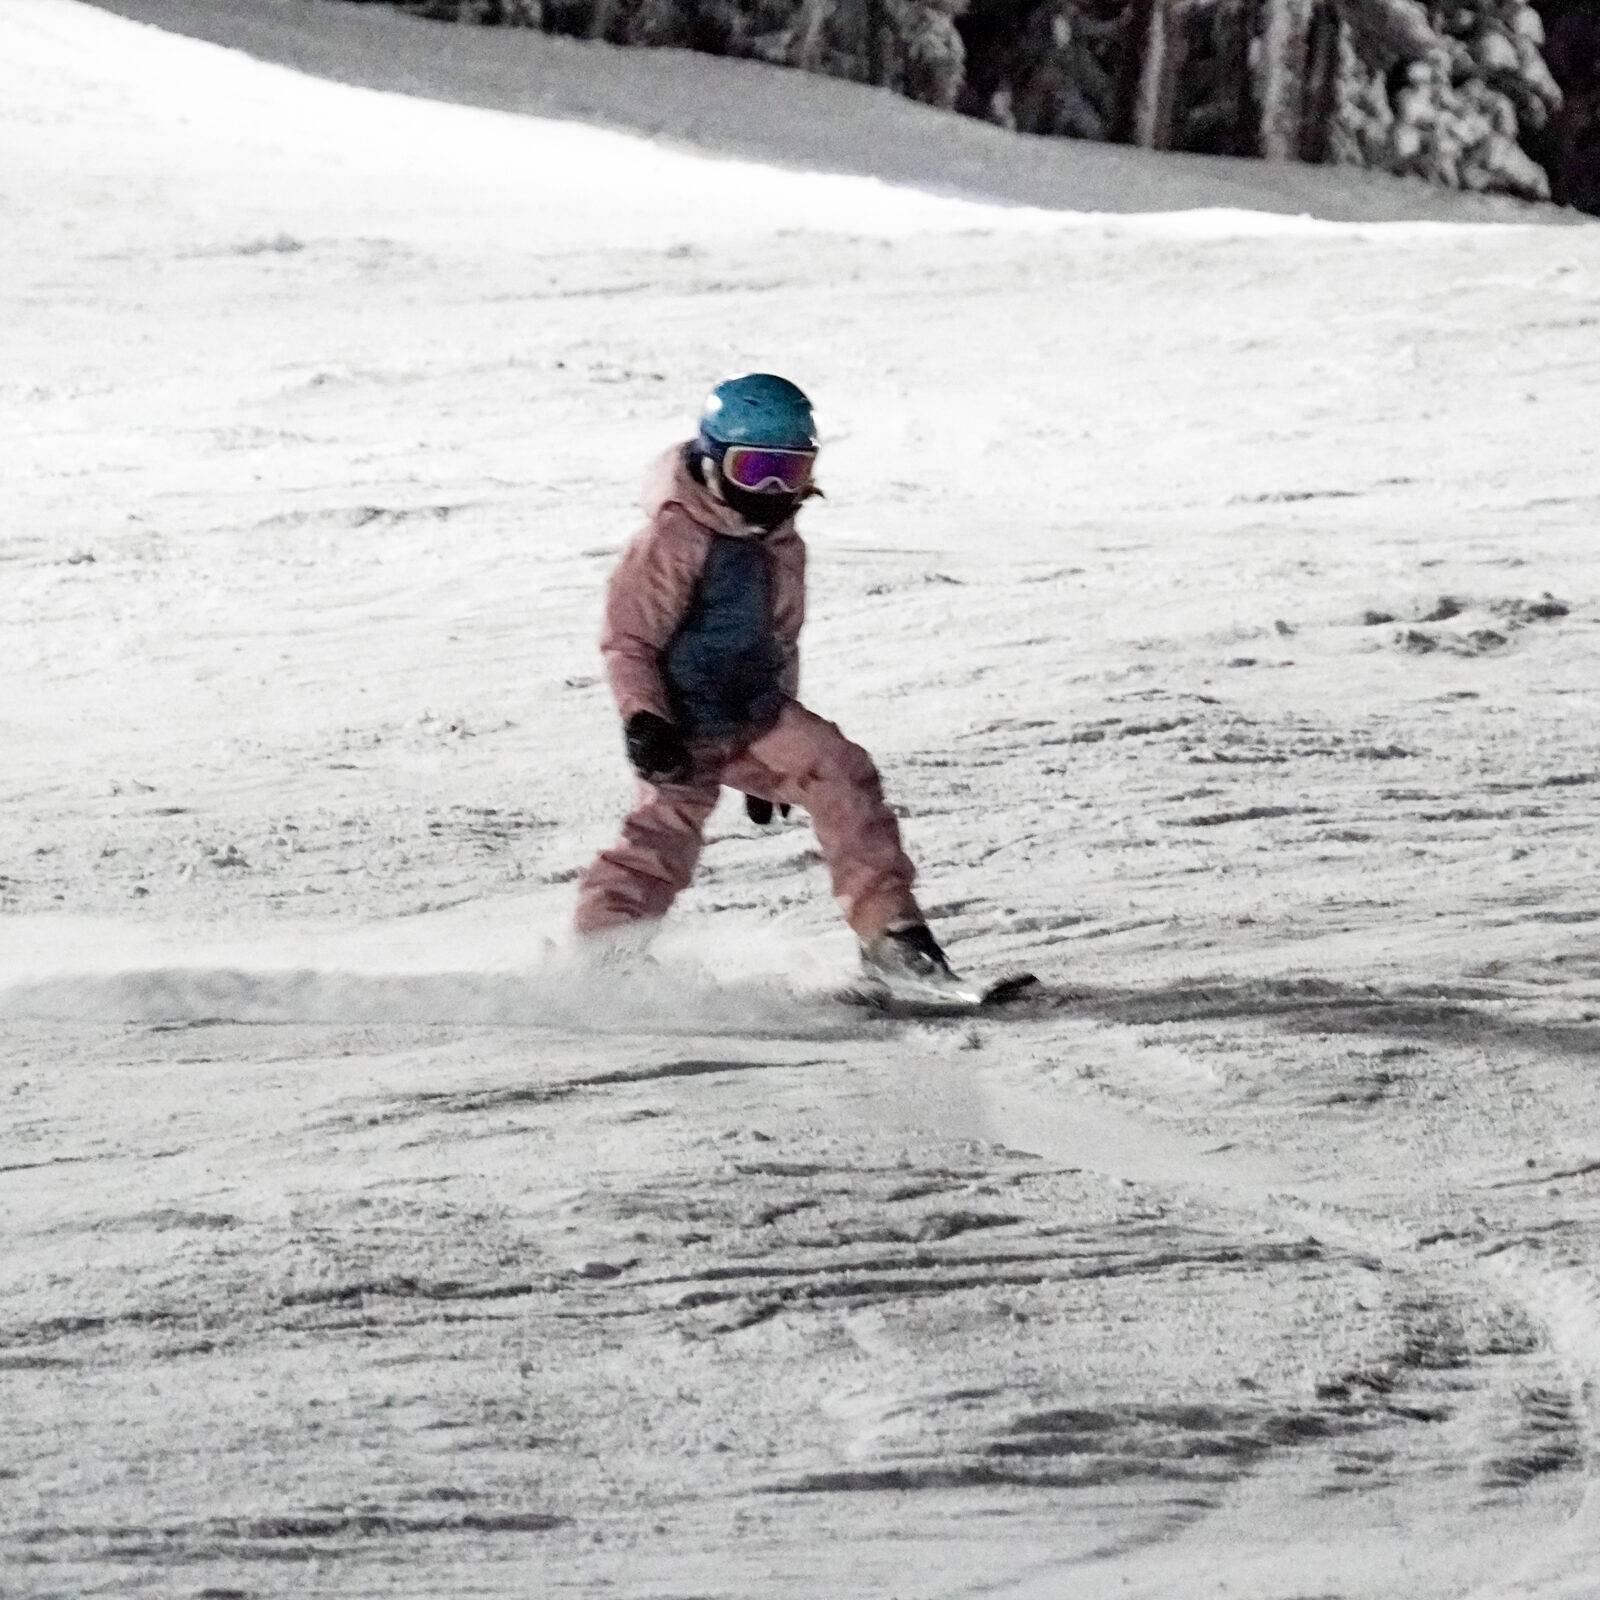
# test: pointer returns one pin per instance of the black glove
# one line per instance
(656, 748)
(759, 811)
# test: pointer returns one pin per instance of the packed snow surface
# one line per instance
(1218, 594)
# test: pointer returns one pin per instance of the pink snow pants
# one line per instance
(801, 760)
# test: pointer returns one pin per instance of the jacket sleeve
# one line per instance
(789, 607)
(645, 601)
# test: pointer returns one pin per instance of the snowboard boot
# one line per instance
(617, 950)
(760, 811)
(906, 963)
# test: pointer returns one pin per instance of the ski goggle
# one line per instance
(767, 471)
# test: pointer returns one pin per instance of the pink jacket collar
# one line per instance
(668, 483)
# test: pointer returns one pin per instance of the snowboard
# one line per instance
(929, 1000)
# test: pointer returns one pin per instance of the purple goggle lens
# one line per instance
(768, 471)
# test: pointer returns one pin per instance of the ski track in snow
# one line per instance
(1217, 592)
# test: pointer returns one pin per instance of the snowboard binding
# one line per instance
(904, 971)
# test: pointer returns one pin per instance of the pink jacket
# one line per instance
(655, 581)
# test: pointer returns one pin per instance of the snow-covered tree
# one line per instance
(1569, 146)
(1446, 93)
(1054, 66)
(1457, 92)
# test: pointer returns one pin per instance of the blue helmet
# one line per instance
(759, 409)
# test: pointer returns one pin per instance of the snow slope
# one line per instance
(1218, 594)
(769, 114)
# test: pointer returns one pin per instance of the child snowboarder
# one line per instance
(700, 640)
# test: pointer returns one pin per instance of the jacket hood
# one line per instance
(668, 482)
